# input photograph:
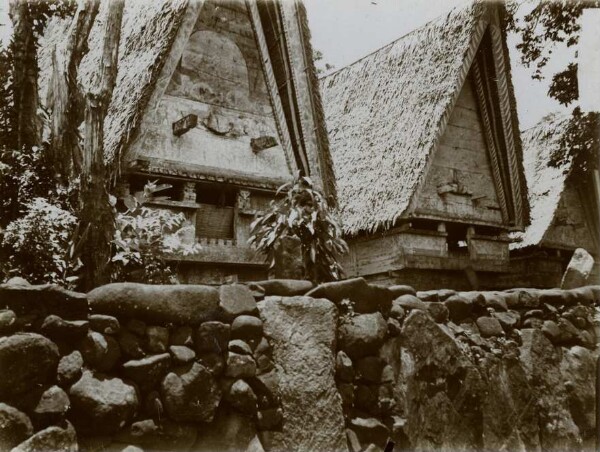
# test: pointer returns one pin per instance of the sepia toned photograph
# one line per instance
(299, 225)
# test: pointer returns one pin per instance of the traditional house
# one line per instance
(220, 100)
(427, 154)
(564, 208)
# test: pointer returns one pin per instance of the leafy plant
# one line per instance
(144, 235)
(302, 213)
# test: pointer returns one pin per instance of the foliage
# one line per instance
(303, 212)
(41, 244)
(143, 236)
(547, 24)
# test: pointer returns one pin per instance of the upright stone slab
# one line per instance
(302, 333)
(578, 270)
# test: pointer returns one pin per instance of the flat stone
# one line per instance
(212, 337)
(399, 290)
(241, 397)
(240, 347)
(190, 394)
(247, 328)
(235, 300)
(285, 287)
(157, 339)
(366, 298)
(182, 335)
(58, 329)
(130, 344)
(459, 307)
(370, 430)
(28, 361)
(105, 324)
(51, 439)
(428, 295)
(240, 366)
(344, 370)
(489, 327)
(43, 300)
(69, 369)
(147, 372)
(52, 407)
(509, 320)
(408, 302)
(7, 321)
(181, 354)
(362, 334)
(183, 304)
(15, 427)
(102, 405)
(496, 302)
(100, 352)
(438, 311)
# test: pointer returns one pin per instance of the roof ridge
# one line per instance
(389, 44)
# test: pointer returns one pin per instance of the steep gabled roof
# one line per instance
(386, 112)
(149, 32)
(545, 183)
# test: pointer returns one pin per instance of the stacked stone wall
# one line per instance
(284, 365)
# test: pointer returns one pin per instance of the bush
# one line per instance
(39, 244)
(303, 213)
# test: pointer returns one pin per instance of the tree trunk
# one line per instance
(25, 75)
(67, 101)
(96, 210)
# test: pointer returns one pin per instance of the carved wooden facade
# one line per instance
(426, 149)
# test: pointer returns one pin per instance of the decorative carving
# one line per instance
(189, 191)
(243, 200)
(184, 124)
(262, 143)
(218, 124)
(454, 186)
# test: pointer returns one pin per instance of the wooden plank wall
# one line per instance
(462, 154)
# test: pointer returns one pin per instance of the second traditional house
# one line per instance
(427, 155)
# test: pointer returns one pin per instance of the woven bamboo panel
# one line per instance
(214, 222)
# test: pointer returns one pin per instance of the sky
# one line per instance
(346, 30)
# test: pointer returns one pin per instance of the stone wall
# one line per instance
(283, 365)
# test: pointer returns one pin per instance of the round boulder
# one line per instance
(15, 427)
(362, 335)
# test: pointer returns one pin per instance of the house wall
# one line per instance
(461, 168)
(219, 78)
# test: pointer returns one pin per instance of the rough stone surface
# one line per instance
(101, 405)
(69, 369)
(190, 394)
(366, 298)
(105, 324)
(240, 366)
(247, 328)
(438, 311)
(15, 427)
(489, 327)
(27, 362)
(147, 372)
(241, 397)
(212, 337)
(578, 270)
(302, 333)
(157, 339)
(509, 320)
(459, 307)
(56, 328)
(285, 287)
(236, 299)
(362, 335)
(181, 354)
(52, 406)
(179, 304)
(51, 439)
(99, 351)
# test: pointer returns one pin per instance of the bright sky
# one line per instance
(346, 30)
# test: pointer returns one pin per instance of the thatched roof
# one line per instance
(386, 112)
(148, 32)
(545, 183)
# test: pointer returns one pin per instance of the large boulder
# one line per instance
(42, 300)
(53, 438)
(101, 405)
(301, 331)
(362, 334)
(179, 304)
(365, 297)
(15, 427)
(236, 299)
(190, 394)
(28, 362)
